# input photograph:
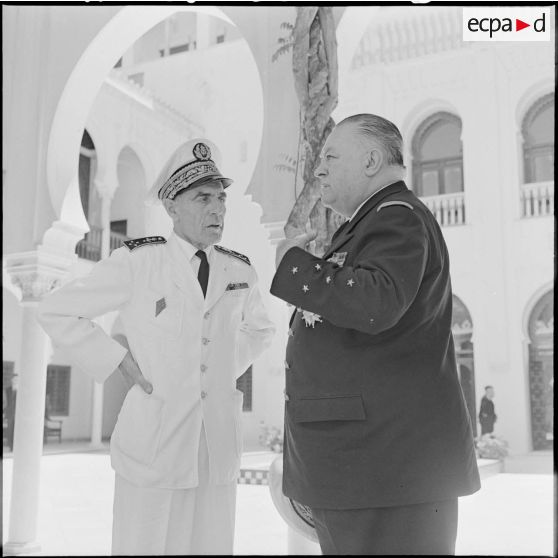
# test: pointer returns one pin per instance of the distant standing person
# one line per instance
(487, 416)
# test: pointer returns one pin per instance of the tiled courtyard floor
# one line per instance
(511, 515)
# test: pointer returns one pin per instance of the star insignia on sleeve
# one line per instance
(328, 279)
(318, 267)
(294, 270)
(350, 282)
(305, 288)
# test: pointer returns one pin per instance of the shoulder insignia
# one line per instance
(394, 202)
(232, 253)
(137, 242)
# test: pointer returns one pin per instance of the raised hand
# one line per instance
(286, 244)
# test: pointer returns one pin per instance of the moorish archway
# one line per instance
(541, 372)
(462, 329)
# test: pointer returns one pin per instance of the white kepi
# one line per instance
(295, 515)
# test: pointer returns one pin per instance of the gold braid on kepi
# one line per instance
(190, 163)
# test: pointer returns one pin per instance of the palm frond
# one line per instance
(283, 49)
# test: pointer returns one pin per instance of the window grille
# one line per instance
(244, 384)
(58, 390)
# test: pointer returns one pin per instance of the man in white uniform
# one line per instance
(194, 322)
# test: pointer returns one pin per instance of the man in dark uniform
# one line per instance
(487, 416)
(378, 440)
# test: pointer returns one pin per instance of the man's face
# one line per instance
(198, 214)
(490, 393)
(341, 170)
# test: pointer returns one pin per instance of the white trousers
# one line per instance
(158, 521)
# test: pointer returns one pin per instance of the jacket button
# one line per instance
(203, 367)
(205, 340)
(206, 315)
(203, 394)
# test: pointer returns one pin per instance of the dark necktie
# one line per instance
(203, 272)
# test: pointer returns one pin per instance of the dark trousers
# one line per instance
(429, 528)
(487, 427)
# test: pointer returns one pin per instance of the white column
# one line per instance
(98, 388)
(203, 39)
(28, 436)
(30, 274)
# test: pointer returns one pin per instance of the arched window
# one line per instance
(541, 372)
(538, 140)
(438, 156)
(462, 329)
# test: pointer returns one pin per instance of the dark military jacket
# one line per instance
(374, 412)
(486, 413)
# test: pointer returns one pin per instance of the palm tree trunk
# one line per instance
(315, 74)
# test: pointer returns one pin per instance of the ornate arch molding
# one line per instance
(531, 304)
(536, 108)
(145, 160)
(534, 301)
(70, 117)
(530, 98)
(428, 124)
(461, 320)
(421, 112)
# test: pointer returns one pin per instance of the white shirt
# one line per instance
(190, 253)
(372, 195)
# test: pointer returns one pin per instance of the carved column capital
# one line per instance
(34, 274)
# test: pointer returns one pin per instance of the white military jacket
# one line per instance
(189, 348)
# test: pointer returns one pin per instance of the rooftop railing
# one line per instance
(537, 199)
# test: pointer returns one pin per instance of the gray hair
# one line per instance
(383, 131)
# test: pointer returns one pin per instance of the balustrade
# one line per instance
(449, 209)
(89, 248)
(537, 199)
